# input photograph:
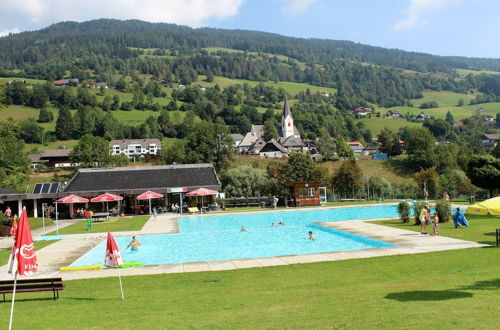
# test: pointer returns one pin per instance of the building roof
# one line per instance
(5, 191)
(493, 137)
(237, 137)
(292, 141)
(141, 178)
(257, 130)
(143, 142)
(286, 109)
(355, 144)
(248, 140)
(272, 146)
(51, 153)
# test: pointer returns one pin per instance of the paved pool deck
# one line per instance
(71, 247)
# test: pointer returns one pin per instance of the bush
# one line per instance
(4, 220)
(417, 207)
(404, 211)
(443, 210)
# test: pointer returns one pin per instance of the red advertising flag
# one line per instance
(23, 257)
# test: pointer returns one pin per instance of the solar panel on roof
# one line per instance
(45, 188)
(38, 188)
(53, 187)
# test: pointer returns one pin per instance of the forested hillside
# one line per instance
(102, 49)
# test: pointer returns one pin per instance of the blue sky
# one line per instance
(442, 27)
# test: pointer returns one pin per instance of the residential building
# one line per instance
(135, 148)
(362, 111)
(272, 149)
(237, 138)
(53, 158)
(357, 147)
(490, 140)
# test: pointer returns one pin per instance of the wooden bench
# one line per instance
(33, 285)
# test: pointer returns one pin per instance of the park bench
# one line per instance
(33, 285)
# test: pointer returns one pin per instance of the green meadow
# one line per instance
(455, 289)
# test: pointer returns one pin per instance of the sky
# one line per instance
(441, 27)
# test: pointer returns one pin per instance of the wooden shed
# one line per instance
(306, 193)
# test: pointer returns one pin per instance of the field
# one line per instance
(377, 124)
(446, 290)
(465, 72)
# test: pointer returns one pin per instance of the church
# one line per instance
(288, 140)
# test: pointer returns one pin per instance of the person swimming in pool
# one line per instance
(243, 228)
(133, 245)
(311, 236)
(281, 223)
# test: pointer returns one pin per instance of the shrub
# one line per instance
(417, 207)
(4, 220)
(443, 210)
(404, 211)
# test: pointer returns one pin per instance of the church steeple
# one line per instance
(287, 127)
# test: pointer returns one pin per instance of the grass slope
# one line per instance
(120, 224)
(446, 290)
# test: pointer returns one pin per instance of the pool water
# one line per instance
(208, 238)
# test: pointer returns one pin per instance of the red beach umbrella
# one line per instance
(68, 200)
(22, 260)
(106, 197)
(148, 195)
(72, 199)
(113, 258)
(202, 192)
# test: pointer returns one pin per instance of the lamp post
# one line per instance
(44, 205)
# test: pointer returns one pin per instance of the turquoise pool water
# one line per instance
(208, 238)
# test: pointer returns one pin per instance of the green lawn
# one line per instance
(445, 290)
(114, 224)
(481, 228)
(376, 125)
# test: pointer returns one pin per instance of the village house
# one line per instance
(135, 148)
(394, 114)
(67, 82)
(357, 147)
(53, 158)
(237, 138)
(490, 140)
(362, 111)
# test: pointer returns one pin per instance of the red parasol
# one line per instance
(148, 195)
(22, 260)
(23, 254)
(72, 199)
(107, 197)
(113, 257)
(13, 228)
(68, 200)
(202, 192)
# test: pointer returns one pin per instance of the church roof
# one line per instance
(286, 109)
(258, 130)
(281, 133)
(248, 140)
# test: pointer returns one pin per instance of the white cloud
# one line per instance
(418, 8)
(34, 14)
(296, 7)
(7, 32)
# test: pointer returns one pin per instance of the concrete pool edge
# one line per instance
(407, 242)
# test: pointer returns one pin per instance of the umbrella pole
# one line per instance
(149, 206)
(120, 279)
(57, 221)
(13, 300)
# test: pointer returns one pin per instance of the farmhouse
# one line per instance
(362, 111)
(357, 147)
(52, 158)
(490, 140)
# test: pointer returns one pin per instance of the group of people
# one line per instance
(282, 223)
(459, 220)
(425, 220)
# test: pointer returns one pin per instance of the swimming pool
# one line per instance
(209, 238)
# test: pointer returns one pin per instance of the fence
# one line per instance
(247, 201)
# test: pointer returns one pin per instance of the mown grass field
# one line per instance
(465, 72)
(446, 290)
(114, 224)
(377, 124)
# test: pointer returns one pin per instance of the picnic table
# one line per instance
(100, 215)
